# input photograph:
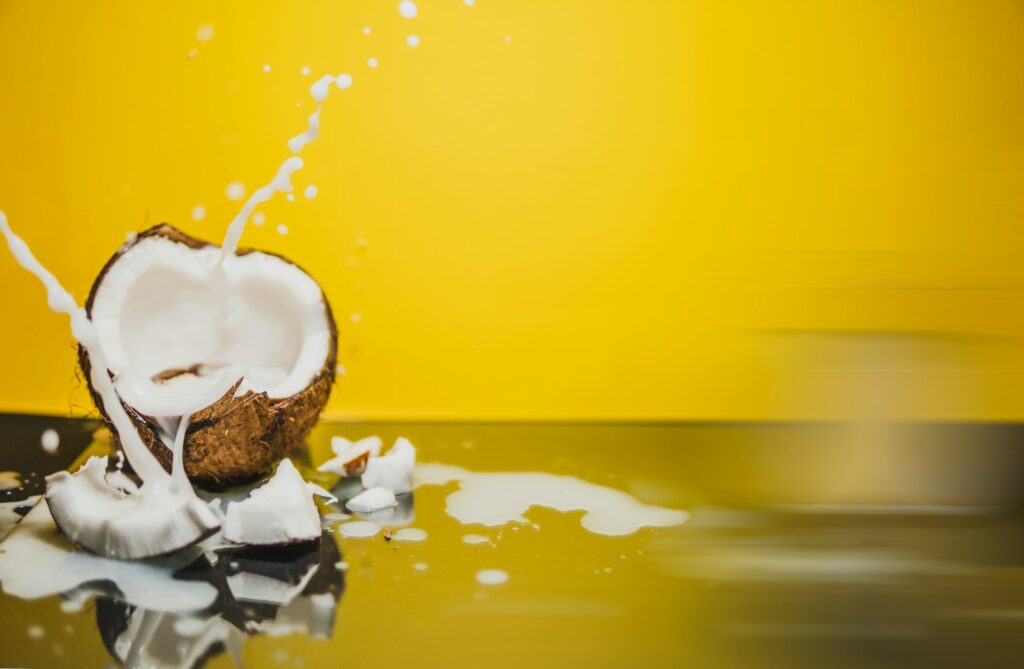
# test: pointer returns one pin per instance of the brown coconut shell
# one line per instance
(235, 439)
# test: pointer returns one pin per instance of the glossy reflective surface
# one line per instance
(807, 546)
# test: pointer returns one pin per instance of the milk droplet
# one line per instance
(359, 529)
(372, 62)
(235, 190)
(408, 9)
(341, 566)
(356, 317)
(508, 38)
(259, 218)
(266, 68)
(470, 3)
(366, 30)
(310, 192)
(412, 40)
(420, 566)
(290, 197)
(475, 539)
(343, 81)
(50, 441)
(491, 576)
(282, 229)
(204, 33)
(199, 212)
(409, 534)
(35, 632)
(305, 71)
(192, 53)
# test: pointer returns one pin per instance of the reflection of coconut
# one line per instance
(253, 387)
(275, 591)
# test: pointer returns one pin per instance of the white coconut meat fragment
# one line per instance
(280, 511)
(179, 328)
(112, 517)
(350, 457)
(393, 470)
(372, 500)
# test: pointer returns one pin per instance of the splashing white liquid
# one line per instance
(499, 498)
(359, 529)
(50, 441)
(408, 9)
(410, 534)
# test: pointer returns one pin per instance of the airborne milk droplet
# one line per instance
(412, 40)
(198, 212)
(304, 71)
(343, 81)
(475, 539)
(259, 218)
(408, 9)
(310, 192)
(204, 33)
(282, 229)
(50, 441)
(235, 190)
(372, 62)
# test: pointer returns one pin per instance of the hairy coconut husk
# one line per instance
(235, 439)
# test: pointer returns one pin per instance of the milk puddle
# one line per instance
(500, 498)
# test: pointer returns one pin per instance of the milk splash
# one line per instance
(499, 498)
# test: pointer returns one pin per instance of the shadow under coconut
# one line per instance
(274, 591)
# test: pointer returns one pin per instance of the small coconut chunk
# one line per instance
(372, 500)
(351, 456)
(280, 511)
(394, 469)
(110, 516)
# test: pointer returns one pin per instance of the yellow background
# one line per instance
(629, 210)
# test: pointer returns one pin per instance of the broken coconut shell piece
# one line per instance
(278, 512)
(246, 350)
(350, 457)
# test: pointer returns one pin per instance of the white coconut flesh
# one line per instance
(164, 306)
(126, 524)
(280, 511)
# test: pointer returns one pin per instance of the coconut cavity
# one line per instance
(244, 346)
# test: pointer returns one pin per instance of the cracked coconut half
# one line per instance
(244, 351)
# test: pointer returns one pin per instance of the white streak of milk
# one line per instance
(409, 534)
(235, 190)
(282, 182)
(319, 91)
(499, 498)
(359, 529)
(491, 576)
(412, 40)
(57, 566)
(50, 440)
(10, 480)
(408, 9)
(372, 62)
(198, 212)
(310, 192)
(204, 33)
(143, 462)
